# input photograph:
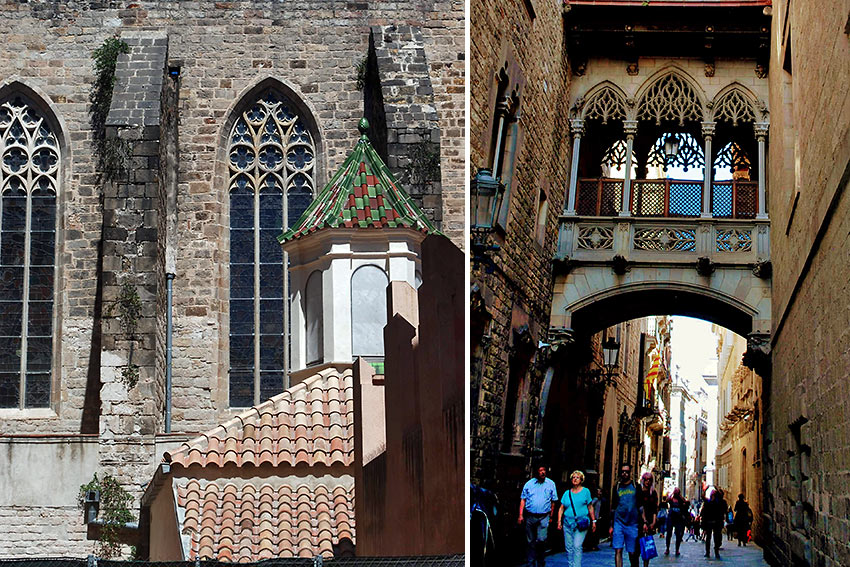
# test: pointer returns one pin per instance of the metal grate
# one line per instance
(685, 199)
(746, 200)
(612, 198)
(721, 200)
(648, 198)
(588, 197)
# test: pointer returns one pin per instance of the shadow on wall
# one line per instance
(409, 450)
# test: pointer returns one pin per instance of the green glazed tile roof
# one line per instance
(362, 194)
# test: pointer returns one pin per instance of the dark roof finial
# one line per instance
(363, 126)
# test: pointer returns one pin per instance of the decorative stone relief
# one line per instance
(595, 238)
(734, 240)
(605, 105)
(665, 239)
(734, 107)
(670, 98)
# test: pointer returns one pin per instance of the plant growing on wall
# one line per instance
(112, 153)
(114, 512)
(360, 76)
(424, 164)
(129, 309)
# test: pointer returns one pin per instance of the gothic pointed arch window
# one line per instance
(29, 183)
(272, 167)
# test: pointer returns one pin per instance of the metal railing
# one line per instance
(666, 198)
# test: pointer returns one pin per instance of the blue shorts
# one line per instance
(624, 536)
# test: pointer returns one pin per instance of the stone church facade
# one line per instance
(225, 120)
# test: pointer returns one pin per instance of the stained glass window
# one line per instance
(271, 165)
(29, 173)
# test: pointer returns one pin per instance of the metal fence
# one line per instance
(91, 561)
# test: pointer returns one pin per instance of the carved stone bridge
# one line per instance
(609, 270)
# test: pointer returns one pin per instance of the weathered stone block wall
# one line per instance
(412, 135)
(223, 50)
(518, 291)
(807, 440)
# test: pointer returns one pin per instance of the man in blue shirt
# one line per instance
(536, 505)
(626, 515)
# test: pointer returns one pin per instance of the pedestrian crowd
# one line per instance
(635, 516)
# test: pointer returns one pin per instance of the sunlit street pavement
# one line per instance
(692, 554)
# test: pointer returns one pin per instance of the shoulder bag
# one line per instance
(582, 524)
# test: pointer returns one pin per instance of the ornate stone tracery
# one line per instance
(29, 178)
(734, 106)
(670, 98)
(606, 104)
(271, 157)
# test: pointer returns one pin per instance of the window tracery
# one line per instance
(670, 98)
(29, 179)
(734, 107)
(689, 155)
(615, 156)
(605, 105)
(733, 157)
(271, 183)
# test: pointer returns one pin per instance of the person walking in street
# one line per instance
(576, 517)
(536, 505)
(677, 509)
(648, 503)
(626, 515)
(713, 513)
(743, 520)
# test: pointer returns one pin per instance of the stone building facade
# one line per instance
(806, 432)
(577, 97)
(739, 446)
(104, 239)
(519, 84)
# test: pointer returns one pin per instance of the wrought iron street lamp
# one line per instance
(600, 378)
(610, 354)
(671, 146)
(487, 193)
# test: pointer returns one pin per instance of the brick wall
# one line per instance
(806, 434)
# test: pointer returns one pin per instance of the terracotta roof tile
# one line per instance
(308, 424)
(277, 517)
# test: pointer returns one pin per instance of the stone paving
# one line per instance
(691, 556)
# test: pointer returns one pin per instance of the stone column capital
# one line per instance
(630, 127)
(708, 129)
(577, 127)
(761, 130)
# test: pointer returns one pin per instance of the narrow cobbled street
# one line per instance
(692, 555)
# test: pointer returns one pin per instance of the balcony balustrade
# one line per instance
(602, 197)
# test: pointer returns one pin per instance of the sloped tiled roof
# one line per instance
(309, 424)
(261, 518)
(362, 194)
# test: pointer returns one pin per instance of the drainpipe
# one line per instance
(169, 330)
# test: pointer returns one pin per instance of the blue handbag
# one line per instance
(647, 548)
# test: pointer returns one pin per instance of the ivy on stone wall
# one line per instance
(114, 512)
(360, 76)
(112, 153)
(424, 164)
